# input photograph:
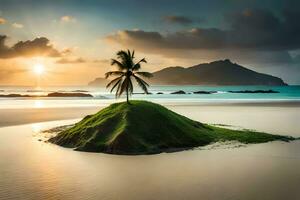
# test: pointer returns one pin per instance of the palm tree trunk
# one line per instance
(127, 95)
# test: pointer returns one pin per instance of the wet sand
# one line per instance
(11, 117)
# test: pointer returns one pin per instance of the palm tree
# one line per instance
(127, 69)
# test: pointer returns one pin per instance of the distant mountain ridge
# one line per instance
(221, 72)
(217, 73)
(98, 82)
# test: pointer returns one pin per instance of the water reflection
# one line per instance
(39, 104)
(36, 128)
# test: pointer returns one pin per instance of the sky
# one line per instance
(74, 40)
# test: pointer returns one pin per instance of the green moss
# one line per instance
(143, 127)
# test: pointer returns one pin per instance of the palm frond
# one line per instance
(129, 53)
(118, 83)
(125, 58)
(114, 73)
(122, 55)
(124, 86)
(118, 89)
(145, 74)
(118, 63)
(143, 60)
(141, 83)
(113, 81)
(137, 66)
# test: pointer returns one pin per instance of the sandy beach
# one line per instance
(258, 171)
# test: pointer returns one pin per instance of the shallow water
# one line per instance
(102, 97)
(268, 118)
(31, 169)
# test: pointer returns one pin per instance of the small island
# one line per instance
(179, 92)
(253, 91)
(53, 94)
(143, 127)
(205, 92)
(71, 94)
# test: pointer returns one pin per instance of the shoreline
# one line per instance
(27, 115)
(238, 102)
(21, 116)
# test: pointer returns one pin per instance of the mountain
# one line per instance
(143, 127)
(98, 82)
(222, 72)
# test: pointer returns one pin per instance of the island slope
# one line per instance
(145, 128)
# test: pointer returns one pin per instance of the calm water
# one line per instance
(285, 92)
(103, 97)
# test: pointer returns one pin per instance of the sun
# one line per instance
(38, 69)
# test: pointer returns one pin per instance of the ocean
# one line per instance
(102, 96)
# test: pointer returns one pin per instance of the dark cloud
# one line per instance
(176, 19)
(151, 41)
(138, 38)
(70, 61)
(37, 47)
(296, 58)
(247, 30)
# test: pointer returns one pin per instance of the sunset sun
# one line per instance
(39, 69)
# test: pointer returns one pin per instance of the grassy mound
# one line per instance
(144, 128)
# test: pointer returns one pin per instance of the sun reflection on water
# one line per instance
(36, 127)
(39, 104)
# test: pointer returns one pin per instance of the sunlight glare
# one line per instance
(38, 69)
(36, 127)
(38, 104)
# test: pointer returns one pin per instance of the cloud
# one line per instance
(68, 19)
(7, 72)
(67, 51)
(138, 38)
(103, 61)
(81, 60)
(201, 39)
(176, 19)
(37, 47)
(2, 20)
(70, 61)
(297, 58)
(248, 30)
(17, 25)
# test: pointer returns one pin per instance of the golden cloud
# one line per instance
(2, 20)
